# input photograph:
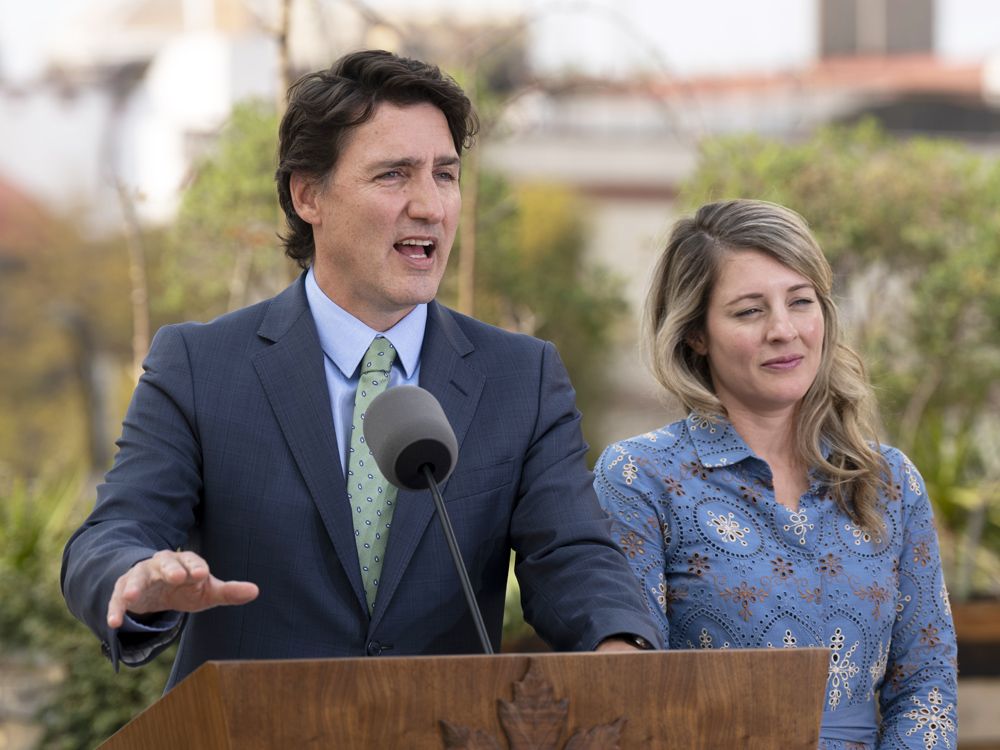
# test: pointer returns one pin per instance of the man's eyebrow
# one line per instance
(410, 162)
(396, 163)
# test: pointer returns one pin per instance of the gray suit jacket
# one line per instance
(228, 448)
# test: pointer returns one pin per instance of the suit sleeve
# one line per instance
(576, 586)
(148, 501)
(919, 694)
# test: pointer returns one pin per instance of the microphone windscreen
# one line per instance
(405, 429)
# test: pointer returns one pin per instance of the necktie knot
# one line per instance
(379, 356)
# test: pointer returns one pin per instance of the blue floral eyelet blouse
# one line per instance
(723, 565)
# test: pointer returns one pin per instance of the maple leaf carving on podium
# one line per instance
(534, 720)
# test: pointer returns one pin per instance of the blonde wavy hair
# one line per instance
(839, 408)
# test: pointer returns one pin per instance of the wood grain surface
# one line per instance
(677, 699)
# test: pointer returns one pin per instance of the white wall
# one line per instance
(191, 87)
(967, 30)
(50, 147)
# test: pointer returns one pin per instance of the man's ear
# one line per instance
(305, 197)
(697, 342)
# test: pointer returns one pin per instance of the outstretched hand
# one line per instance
(178, 581)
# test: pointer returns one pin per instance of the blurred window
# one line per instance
(876, 27)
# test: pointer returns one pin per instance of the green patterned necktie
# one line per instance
(370, 495)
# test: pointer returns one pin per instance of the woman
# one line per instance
(770, 516)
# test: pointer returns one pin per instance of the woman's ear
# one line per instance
(305, 197)
(697, 342)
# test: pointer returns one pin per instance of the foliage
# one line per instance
(34, 522)
(64, 315)
(913, 233)
(225, 251)
(92, 701)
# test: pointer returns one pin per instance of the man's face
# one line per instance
(384, 219)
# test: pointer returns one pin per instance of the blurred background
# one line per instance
(137, 143)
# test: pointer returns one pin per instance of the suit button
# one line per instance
(374, 648)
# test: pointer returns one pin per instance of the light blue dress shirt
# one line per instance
(344, 340)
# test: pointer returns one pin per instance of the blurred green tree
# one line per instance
(87, 701)
(224, 251)
(65, 327)
(912, 231)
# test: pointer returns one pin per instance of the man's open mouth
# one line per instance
(415, 249)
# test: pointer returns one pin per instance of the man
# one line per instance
(229, 486)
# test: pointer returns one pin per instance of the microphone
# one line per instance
(406, 429)
(415, 448)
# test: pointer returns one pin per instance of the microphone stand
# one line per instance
(456, 555)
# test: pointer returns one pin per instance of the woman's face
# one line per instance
(763, 334)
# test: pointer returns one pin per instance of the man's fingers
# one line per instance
(236, 592)
(137, 586)
(196, 567)
(177, 581)
(177, 568)
(116, 606)
(128, 588)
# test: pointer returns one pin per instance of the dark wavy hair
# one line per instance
(325, 106)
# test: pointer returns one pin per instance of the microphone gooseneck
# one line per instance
(456, 556)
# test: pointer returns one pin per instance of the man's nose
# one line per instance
(426, 202)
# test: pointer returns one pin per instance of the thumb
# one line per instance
(234, 592)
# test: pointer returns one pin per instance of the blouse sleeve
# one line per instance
(638, 523)
(919, 694)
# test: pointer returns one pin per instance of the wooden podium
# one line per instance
(759, 698)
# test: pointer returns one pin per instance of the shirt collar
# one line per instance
(345, 339)
(717, 443)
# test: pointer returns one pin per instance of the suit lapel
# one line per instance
(291, 371)
(444, 372)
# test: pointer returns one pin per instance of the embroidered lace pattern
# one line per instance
(723, 565)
